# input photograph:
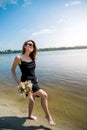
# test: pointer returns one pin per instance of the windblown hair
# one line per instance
(32, 54)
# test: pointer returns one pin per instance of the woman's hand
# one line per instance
(18, 82)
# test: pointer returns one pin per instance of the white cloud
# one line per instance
(67, 5)
(27, 2)
(4, 3)
(73, 3)
(43, 31)
(26, 31)
(61, 20)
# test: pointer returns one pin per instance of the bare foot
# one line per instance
(50, 121)
(32, 117)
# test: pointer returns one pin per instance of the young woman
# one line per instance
(26, 62)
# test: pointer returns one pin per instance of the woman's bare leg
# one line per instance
(30, 109)
(44, 104)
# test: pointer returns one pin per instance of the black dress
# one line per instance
(28, 73)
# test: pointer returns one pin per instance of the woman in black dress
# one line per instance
(26, 62)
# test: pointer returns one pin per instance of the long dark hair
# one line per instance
(32, 54)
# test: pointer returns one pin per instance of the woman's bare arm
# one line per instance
(13, 68)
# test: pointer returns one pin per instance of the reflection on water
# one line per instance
(68, 66)
(63, 74)
(63, 66)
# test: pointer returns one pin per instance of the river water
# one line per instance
(63, 74)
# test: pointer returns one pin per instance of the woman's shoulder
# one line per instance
(18, 58)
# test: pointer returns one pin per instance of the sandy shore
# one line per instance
(13, 112)
(68, 108)
(12, 119)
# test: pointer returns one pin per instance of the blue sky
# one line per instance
(51, 23)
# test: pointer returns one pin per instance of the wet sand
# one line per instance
(68, 108)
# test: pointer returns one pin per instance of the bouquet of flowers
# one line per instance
(25, 89)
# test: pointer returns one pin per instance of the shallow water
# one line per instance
(63, 75)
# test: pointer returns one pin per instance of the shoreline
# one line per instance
(12, 118)
(13, 112)
(9, 51)
(68, 110)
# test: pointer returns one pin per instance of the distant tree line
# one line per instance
(62, 48)
(10, 51)
(44, 49)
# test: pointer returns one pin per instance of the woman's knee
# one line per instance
(41, 93)
(45, 95)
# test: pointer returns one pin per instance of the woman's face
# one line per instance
(29, 46)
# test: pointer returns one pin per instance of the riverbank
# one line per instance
(9, 51)
(13, 112)
(11, 118)
(67, 108)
